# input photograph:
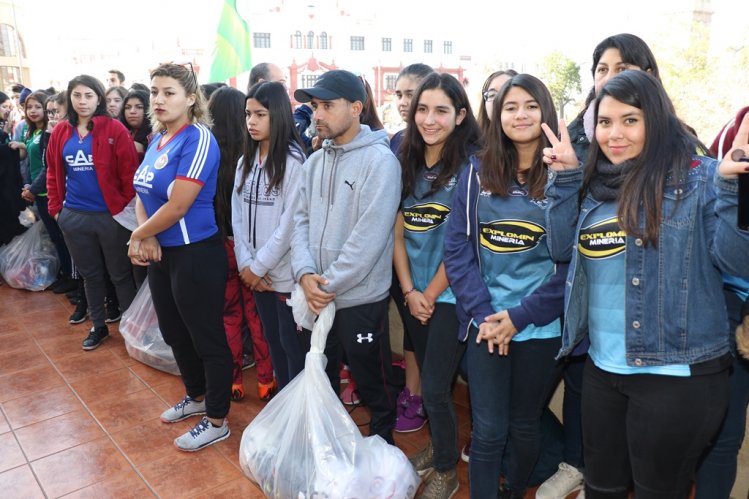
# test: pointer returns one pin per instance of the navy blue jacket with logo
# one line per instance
(462, 263)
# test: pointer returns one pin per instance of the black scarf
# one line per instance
(608, 179)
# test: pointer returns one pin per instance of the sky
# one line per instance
(54, 29)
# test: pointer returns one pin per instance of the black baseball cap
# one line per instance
(335, 84)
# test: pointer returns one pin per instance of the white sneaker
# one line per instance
(562, 483)
(203, 435)
(183, 409)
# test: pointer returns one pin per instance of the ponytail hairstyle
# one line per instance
(185, 76)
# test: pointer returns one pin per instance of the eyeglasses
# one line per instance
(51, 112)
(489, 95)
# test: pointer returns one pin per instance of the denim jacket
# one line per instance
(674, 306)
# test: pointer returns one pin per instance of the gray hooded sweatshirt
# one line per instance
(343, 224)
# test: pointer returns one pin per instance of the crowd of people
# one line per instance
(519, 251)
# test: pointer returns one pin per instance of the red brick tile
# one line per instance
(150, 440)
(241, 487)
(10, 453)
(99, 388)
(88, 365)
(57, 434)
(185, 474)
(28, 382)
(79, 467)
(27, 356)
(20, 482)
(43, 405)
(127, 485)
(124, 412)
(60, 346)
(149, 375)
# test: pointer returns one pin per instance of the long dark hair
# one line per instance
(226, 107)
(41, 97)
(142, 133)
(667, 153)
(463, 140)
(95, 85)
(368, 114)
(483, 117)
(632, 49)
(284, 138)
(499, 158)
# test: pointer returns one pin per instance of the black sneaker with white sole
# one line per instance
(113, 313)
(95, 337)
(80, 314)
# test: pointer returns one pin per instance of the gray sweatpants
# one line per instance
(91, 236)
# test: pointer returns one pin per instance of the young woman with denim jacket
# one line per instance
(716, 473)
(614, 54)
(509, 291)
(653, 228)
(440, 135)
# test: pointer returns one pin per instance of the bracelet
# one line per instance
(405, 295)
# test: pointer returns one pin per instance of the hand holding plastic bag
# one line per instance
(304, 444)
(30, 260)
(140, 330)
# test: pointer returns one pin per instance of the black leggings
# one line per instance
(187, 287)
(648, 429)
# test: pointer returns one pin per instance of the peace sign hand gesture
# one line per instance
(560, 156)
(737, 159)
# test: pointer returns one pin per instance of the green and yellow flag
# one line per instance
(231, 55)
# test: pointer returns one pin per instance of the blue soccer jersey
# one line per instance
(424, 223)
(602, 248)
(82, 191)
(513, 253)
(193, 155)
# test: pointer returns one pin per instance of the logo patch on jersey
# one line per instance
(510, 236)
(425, 217)
(430, 176)
(603, 239)
(161, 161)
(451, 183)
(517, 191)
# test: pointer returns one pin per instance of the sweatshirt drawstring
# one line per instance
(468, 203)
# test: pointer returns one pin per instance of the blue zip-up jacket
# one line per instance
(463, 267)
(674, 307)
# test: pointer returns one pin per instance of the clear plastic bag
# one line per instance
(140, 330)
(304, 444)
(30, 260)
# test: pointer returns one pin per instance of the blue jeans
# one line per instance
(287, 346)
(717, 472)
(439, 353)
(508, 396)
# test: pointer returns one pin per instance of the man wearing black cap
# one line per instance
(342, 245)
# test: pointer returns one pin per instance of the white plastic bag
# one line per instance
(140, 330)
(30, 260)
(304, 444)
